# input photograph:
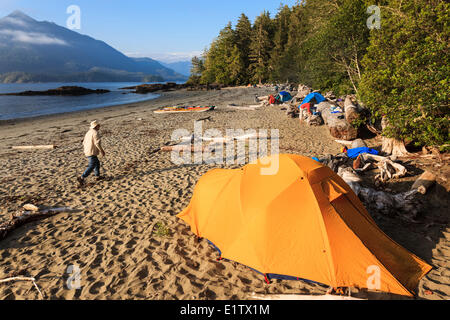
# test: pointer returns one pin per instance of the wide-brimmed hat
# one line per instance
(94, 124)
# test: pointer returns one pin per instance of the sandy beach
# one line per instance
(123, 234)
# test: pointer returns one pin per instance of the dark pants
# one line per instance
(94, 165)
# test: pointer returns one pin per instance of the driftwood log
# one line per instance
(339, 127)
(358, 143)
(43, 147)
(25, 217)
(314, 120)
(425, 181)
(292, 110)
(406, 204)
(303, 91)
(390, 170)
(33, 280)
(351, 111)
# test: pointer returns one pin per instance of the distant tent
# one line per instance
(314, 97)
(272, 99)
(303, 222)
(283, 96)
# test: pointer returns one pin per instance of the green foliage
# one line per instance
(243, 32)
(223, 61)
(198, 67)
(406, 71)
(260, 47)
(161, 230)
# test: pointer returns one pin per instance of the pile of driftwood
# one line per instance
(339, 123)
(406, 205)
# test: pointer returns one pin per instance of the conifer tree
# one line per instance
(260, 47)
(281, 61)
(243, 33)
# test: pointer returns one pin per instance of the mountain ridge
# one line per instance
(40, 50)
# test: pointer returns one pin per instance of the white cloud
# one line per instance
(15, 21)
(32, 37)
(167, 57)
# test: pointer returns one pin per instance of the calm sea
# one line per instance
(15, 107)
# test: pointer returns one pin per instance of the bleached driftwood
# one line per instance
(344, 142)
(358, 143)
(314, 120)
(24, 217)
(263, 98)
(391, 146)
(43, 147)
(377, 158)
(390, 170)
(365, 167)
(292, 110)
(405, 203)
(303, 91)
(31, 207)
(348, 102)
(425, 181)
(33, 280)
(336, 122)
(245, 108)
(351, 111)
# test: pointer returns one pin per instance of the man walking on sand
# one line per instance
(92, 148)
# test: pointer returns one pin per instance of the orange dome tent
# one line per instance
(303, 222)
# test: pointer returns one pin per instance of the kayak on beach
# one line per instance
(182, 109)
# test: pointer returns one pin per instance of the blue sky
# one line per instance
(154, 28)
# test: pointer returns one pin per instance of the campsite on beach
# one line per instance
(124, 231)
(295, 162)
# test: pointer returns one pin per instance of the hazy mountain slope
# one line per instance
(182, 67)
(44, 48)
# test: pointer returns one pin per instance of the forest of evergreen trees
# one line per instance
(398, 69)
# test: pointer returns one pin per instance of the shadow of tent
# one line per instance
(424, 237)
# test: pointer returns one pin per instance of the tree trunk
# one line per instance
(392, 146)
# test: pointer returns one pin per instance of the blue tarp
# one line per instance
(316, 96)
(354, 153)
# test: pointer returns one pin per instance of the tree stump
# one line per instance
(391, 146)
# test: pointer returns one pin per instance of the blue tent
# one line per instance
(313, 96)
(284, 96)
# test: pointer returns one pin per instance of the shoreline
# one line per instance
(63, 114)
(20, 126)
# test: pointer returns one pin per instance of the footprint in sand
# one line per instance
(95, 288)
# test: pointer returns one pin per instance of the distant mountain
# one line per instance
(43, 51)
(182, 67)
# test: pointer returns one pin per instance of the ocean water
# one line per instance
(15, 107)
